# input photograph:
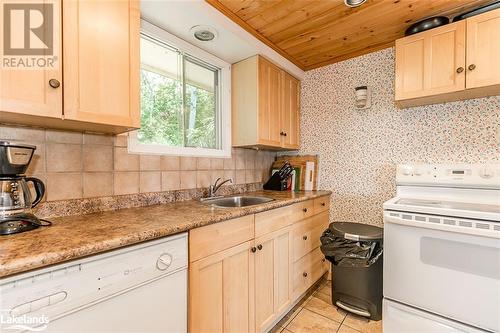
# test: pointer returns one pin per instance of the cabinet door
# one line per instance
(27, 91)
(101, 61)
(221, 292)
(431, 62)
(290, 112)
(272, 277)
(269, 104)
(483, 49)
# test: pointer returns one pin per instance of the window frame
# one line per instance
(224, 100)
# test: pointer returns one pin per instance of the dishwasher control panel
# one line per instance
(63, 288)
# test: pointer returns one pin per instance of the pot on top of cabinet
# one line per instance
(452, 62)
(265, 105)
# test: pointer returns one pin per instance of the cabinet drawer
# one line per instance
(307, 271)
(306, 235)
(321, 204)
(216, 237)
(276, 219)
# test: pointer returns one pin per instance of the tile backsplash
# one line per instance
(74, 165)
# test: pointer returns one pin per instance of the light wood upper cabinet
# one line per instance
(27, 91)
(265, 105)
(483, 50)
(99, 74)
(272, 277)
(290, 112)
(221, 291)
(452, 62)
(101, 61)
(431, 62)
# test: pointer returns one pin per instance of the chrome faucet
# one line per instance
(212, 189)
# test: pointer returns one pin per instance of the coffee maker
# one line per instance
(16, 199)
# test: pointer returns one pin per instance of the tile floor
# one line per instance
(316, 314)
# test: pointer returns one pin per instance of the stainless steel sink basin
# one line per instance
(236, 201)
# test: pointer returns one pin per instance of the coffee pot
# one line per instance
(16, 200)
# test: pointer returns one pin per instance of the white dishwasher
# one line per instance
(141, 288)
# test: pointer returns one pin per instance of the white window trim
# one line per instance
(225, 102)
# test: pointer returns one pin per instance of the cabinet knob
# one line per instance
(460, 69)
(54, 83)
(304, 237)
(304, 210)
(323, 204)
(304, 274)
(284, 133)
(323, 260)
(259, 247)
(472, 67)
(253, 249)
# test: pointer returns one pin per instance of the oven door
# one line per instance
(447, 266)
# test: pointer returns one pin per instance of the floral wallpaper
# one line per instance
(359, 149)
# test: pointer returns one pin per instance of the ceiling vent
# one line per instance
(203, 33)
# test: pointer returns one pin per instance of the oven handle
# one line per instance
(439, 226)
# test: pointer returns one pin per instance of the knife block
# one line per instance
(275, 183)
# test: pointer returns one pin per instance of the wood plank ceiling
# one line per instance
(315, 33)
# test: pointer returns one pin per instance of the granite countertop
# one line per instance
(73, 237)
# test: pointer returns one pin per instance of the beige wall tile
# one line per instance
(188, 179)
(37, 164)
(170, 180)
(217, 174)
(229, 174)
(258, 176)
(203, 163)
(249, 176)
(230, 163)
(124, 161)
(250, 159)
(97, 139)
(97, 158)
(203, 178)
(121, 140)
(97, 184)
(217, 163)
(63, 157)
(240, 177)
(240, 159)
(62, 186)
(25, 134)
(126, 183)
(188, 163)
(170, 163)
(150, 162)
(63, 137)
(150, 181)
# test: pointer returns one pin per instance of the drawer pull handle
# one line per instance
(253, 249)
(259, 247)
(304, 210)
(304, 237)
(304, 274)
(460, 70)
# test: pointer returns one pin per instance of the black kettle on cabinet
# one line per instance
(16, 199)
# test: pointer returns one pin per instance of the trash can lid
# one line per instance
(356, 231)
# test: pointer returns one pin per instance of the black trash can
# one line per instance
(356, 253)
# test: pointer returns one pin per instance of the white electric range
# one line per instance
(442, 250)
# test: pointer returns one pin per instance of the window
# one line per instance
(184, 99)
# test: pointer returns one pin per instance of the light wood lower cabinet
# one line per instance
(221, 291)
(247, 272)
(272, 277)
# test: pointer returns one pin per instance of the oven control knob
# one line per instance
(486, 173)
(164, 261)
(406, 170)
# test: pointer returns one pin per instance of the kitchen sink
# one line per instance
(236, 201)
